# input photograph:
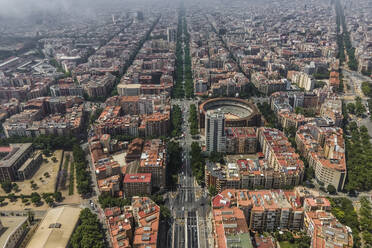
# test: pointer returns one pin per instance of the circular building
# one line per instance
(238, 112)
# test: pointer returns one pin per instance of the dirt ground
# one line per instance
(46, 185)
(75, 197)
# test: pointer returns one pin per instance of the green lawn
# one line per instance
(286, 244)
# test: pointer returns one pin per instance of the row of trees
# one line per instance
(35, 198)
(365, 217)
(366, 88)
(176, 121)
(83, 178)
(189, 85)
(193, 119)
(359, 158)
(89, 233)
(174, 162)
(356, 108)
(44, 142)
(178, 91)
(343, 39)
(197, 162)
(367, 91)
(343, 210)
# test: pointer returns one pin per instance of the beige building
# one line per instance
(324, 149)
(56, 228)
(12, 230)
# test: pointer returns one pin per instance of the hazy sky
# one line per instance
(21, 8)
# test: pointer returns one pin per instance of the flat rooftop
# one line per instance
(16, 152)
(46, 236)
(10, 224)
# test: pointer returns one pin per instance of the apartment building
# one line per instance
(230, 228)
(331, 110)
(30, 122)
(268, 86)
(155, 125)
(317, 203)
(66, 90)
(137, 184)
(326, 231)
(19, 163)
(110, 185)
(215, 131)
(264, 210)
(134, 150)
(324, 149)
(135, 225)
(154, 160)
(281, 156)
(302, 79)
(241, 140)
(289, 119)
(246, 174)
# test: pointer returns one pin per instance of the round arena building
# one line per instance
(238, 112)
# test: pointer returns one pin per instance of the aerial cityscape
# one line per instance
(196, 124)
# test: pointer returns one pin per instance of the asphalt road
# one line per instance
(185, 206)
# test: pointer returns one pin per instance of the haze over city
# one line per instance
(171, 124)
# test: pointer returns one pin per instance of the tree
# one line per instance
(89, 233)
(33, 186)
(2, 199)
(366, 88)
(343, 210)
(35, 198)
(12, 197)
(331, 189)
(49, 200)
(58, 196)
(7, 186)
(212, 190)
(216, 157)
(15, 187)
(107, 201)
(351, 108)
(165, 213)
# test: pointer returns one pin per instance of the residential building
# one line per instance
(137, 184)
(264, 210)
(241, 140)
(317, 203)
(324, 149)
(154, 160)
(230, 228)
(136, 225)
(110, 185)
(19, 163)
(326, 231)
(215, 132)
(281, 156)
